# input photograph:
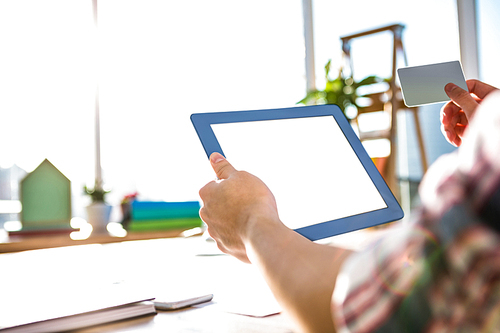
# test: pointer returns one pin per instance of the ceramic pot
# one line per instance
(98, 214)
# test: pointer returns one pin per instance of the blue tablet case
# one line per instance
(204, 124)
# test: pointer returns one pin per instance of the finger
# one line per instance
(479, 88)
(457, 126)
(449, 134)
(462, 98)
(206, 189)
(460, 130)
(459, 119)
(223, 169)
(454, 130)
(203, 214)
(448, 111)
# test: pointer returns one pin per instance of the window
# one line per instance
(430, 36)
(487, 13)
(155, 63)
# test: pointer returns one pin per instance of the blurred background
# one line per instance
(155, 62)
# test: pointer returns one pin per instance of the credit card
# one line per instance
(425, 84)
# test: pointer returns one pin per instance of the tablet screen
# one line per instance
(307, 163)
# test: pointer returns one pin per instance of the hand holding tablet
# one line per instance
(323, 180)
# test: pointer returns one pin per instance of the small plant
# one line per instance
(96, 194)
(127, 199)
(341, 91)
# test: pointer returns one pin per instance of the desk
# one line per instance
(158, 263)
(23, 243)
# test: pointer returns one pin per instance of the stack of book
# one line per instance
(162, 215)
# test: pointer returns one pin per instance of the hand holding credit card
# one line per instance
(425, 84)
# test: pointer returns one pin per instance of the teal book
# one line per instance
(156, 210)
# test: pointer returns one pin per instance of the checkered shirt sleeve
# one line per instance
(440, 272)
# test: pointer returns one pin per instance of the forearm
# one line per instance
(300, 273)
(241, 214)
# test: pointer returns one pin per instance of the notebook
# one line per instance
(62, 309)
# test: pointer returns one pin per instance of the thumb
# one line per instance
(223, 169)
(462, 98)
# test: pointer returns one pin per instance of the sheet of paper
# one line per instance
(238, 288)
(425, 84)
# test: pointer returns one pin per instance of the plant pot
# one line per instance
(98, 214)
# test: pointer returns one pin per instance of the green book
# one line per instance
(165, 224)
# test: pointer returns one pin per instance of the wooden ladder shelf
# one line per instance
(389, 101)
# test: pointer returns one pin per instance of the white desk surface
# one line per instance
(159, 265)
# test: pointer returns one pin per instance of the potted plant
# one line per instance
(341, 91)
(126, 208)
(98, 211)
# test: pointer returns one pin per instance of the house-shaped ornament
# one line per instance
(45, 195)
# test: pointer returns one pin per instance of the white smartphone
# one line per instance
(174, 303)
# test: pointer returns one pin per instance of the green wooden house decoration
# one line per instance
(45, 196)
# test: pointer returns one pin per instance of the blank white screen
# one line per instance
(307, 163)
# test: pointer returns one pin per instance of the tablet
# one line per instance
(322, 178)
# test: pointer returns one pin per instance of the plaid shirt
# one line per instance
(440, 272)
